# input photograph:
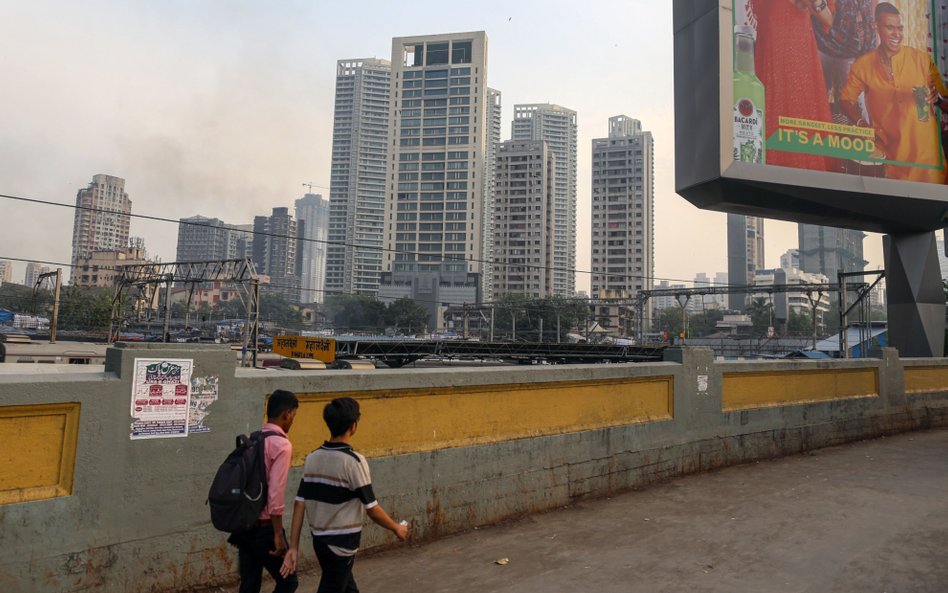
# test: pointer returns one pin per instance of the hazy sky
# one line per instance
(224, 108)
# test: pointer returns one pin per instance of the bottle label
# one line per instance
(748, 132)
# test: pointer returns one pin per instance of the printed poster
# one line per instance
(204, 392)
(844, 86)
(161, 398)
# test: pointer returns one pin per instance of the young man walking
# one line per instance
(264, 545)
(336, 494)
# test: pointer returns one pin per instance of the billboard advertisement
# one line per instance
(853, 87)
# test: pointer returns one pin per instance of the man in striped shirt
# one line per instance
(336, 494)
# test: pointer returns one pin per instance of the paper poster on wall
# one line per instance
(161, 398)
(204, 392)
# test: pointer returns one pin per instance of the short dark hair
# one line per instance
(886, 8)
(281, 401)
(340, 414)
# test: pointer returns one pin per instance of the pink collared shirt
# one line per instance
(277, 451)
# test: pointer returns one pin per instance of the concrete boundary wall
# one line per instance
(84, 508)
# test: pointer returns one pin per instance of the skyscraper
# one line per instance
(275, 251)
(745, 254)
(202, 239)
(494, 119)
(827, 250)
(523, 219)
(437, 206)
(356, 229)
(312, 214)
(102, 218)
(623, 218)
(557, 126)
(6, 271)
(33, 272)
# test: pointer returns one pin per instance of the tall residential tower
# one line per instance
(102, 218)
(557, 126)
(623, 217)
(357, 181)
(437, 208)
(312, 214)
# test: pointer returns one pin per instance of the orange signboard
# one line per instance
(323, 349)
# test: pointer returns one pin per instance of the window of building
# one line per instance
(461, 52)
(437, 53)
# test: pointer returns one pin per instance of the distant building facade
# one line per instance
(275, 254)
(312, 215)
(101, 220)
(437, 210)
(356, 229)
(745, 254)
(558, 127)
(6, 271)
(101, 268)
(623, 199)
(828, 250)
(523, 219)
(33, 272)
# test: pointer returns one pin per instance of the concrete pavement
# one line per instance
(864, 517)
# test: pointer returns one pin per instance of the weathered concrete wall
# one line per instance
(449, 449)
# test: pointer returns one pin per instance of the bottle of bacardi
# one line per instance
(749, 128)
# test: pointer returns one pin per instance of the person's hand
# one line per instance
(882, 138)
(401, 532)
(279, 544)
(289, 563)
(936, 100)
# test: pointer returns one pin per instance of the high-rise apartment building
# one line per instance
(623, 217)
(437, 210)
(357, 192)
(494, 119)
(790, 260)
(557, 126)
(101, 219)
(202, 239)
(745, 254)
(6, 271)
(523, 219)
(312, 214)
(275, 253)
(33, 272)
(828, 251)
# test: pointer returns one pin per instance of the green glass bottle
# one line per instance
(749, 101)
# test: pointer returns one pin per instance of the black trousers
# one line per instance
(253, 555)
(337, 570)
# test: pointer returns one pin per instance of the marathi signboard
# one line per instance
(161, 398)
(323, 349)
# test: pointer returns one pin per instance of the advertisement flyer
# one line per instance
(204, 392)
(161, 398)
(845, 86)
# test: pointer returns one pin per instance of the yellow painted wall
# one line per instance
(38, 455)
(781, 388)
(412, 420)
(926, 379)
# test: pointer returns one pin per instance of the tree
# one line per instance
(406, 316)
(85, 308)
(355, 312)
(529, 315)
(669, 320)
(760, 310)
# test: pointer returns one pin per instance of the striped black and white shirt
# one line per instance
(336, 489)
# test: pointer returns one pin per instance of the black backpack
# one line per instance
(239, 490)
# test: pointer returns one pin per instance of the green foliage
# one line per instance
(406, 316)
(668, 320)
(352, 312)
(85, 308)
(531, 313)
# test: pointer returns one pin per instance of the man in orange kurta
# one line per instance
(889, 78)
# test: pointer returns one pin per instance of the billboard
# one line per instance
(822, 111)
(847, 86)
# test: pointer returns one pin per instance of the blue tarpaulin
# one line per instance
(6, 315)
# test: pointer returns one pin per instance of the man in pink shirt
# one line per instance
(265, 545)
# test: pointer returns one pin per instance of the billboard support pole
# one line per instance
(915, 295)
